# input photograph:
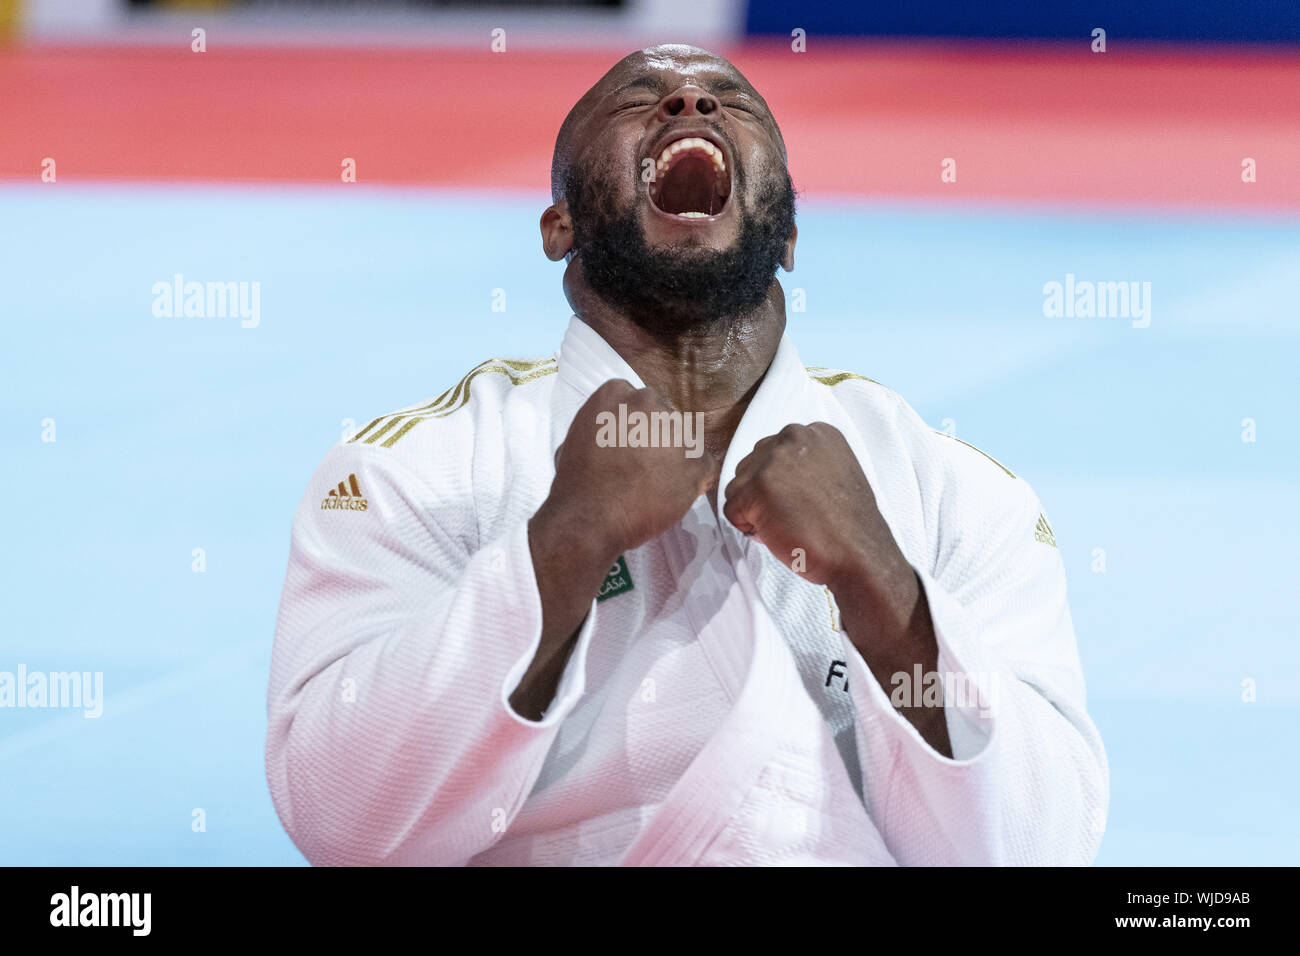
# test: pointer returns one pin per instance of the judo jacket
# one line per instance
(713, 710)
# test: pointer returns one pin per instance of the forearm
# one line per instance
(569, 565)
(885, 614)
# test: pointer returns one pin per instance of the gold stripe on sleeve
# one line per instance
(518, 371)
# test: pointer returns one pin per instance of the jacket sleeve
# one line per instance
(1028, 782)
(399, 640)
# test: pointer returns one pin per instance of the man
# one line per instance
(670, 597)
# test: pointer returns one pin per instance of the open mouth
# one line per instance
(691, 179)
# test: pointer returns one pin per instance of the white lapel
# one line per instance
(784, 396)
(586, 362)
(788, 395)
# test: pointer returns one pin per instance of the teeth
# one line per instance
(691, 142)
(694, 215)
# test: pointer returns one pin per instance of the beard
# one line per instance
(671, 290)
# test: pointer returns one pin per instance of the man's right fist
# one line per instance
(622, 491)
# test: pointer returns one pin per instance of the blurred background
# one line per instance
(374, 172)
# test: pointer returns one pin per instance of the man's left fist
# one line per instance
(802, 493)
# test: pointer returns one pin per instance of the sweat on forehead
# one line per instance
(639, 65)
(666, 57)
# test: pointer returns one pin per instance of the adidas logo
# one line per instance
(1043, 531)
(346, 495)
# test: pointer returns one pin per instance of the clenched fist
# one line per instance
(607, 498)
(623, 495)
(802, 493)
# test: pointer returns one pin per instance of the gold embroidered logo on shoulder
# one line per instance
(1043, 531)
(346, 496)
(831, 376)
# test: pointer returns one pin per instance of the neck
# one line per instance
(714, 371)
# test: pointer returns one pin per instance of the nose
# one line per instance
(687, 101)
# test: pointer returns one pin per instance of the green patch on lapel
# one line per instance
(617, 581)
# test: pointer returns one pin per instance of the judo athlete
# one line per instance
(670, 597)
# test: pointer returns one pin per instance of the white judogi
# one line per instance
(711, 713)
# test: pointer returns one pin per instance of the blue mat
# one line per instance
(174, 434)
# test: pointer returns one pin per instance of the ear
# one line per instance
(557, 231)
(787, 263)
